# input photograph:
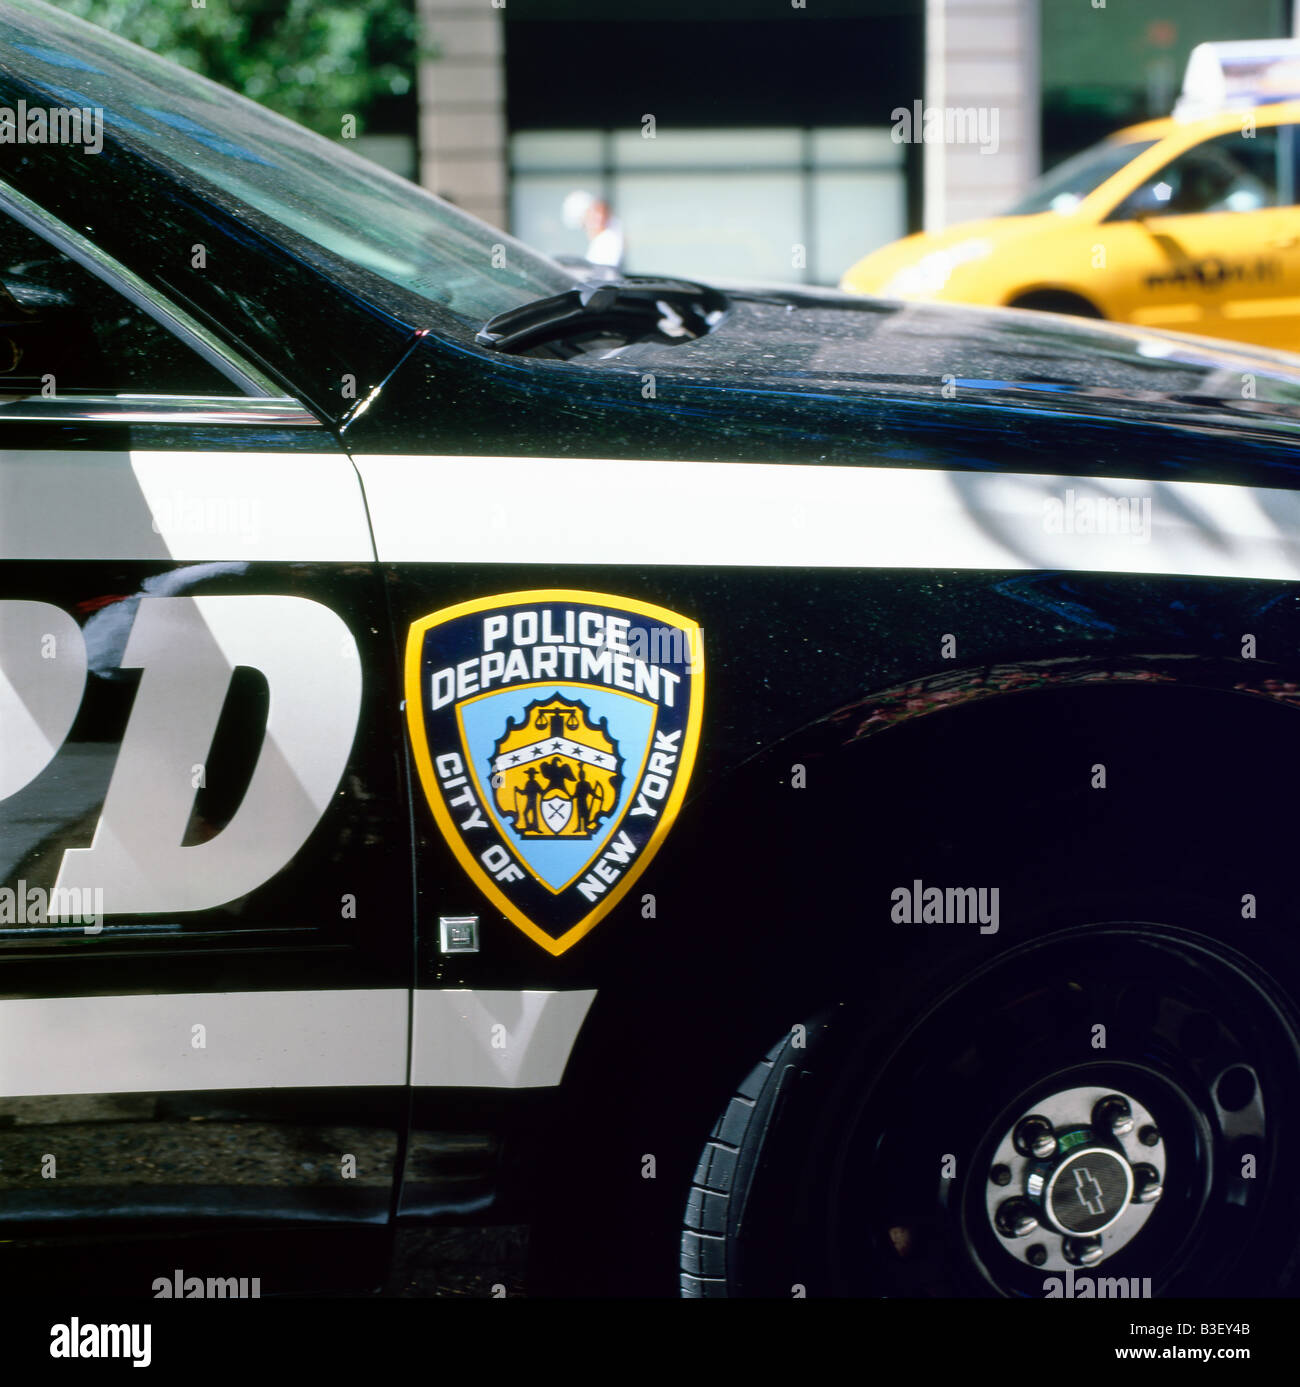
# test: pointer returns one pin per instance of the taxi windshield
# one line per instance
(248, 158)
(1063, 188)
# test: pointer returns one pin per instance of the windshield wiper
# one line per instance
(630, 308)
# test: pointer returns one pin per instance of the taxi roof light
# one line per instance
(1241, 73)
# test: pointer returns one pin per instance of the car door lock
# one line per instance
(458, 934)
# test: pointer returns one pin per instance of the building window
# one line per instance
(785, 204)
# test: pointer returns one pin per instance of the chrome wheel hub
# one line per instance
(1075, 1178)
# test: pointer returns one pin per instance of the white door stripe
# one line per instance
(151, 1043)
(476, 510)
(207, 1040)
(467, 1039)
(187, 506)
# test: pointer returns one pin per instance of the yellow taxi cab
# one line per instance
(1185, 224)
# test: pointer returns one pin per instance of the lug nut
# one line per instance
(1146, 1184)
(1082, 1252)
(1035, 1254)
(1148, 1136)
(1015, 1218)
(1113, 1115)
(1000, 1175)
(1035, 1137)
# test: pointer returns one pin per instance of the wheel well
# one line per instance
(1057, 301)
(1199, 774)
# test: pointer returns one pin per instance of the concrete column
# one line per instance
(982, 57)
(934, 164)
(462, 105)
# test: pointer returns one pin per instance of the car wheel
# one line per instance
(1116, 1099)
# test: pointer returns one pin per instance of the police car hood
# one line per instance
(824, 342)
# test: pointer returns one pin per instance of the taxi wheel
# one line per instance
(937, 1157)
(1057, 301)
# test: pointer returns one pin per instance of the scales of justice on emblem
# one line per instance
(555, 772)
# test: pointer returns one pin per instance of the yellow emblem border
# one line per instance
(429, 783)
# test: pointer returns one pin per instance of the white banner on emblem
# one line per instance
(555, 746)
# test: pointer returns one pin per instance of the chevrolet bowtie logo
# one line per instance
(1088, 1190)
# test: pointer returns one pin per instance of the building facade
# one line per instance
(782, 139)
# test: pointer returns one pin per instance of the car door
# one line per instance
(1210, 243)
(205, 892)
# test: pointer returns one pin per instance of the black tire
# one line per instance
(720, 1188)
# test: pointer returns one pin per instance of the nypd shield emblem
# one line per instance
(554, 733)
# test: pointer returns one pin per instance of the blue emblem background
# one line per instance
(631, 724)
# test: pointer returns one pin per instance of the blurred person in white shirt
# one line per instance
(604, 230)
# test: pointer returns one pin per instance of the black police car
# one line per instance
(779, 793)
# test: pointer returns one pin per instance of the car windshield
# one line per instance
(1065, 187)
(249, 158)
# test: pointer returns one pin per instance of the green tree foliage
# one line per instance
(311, 60)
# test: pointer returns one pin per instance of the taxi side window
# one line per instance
(64, 331)
(1237, 172)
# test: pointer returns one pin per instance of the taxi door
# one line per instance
(205, 892)
(1210, 243)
